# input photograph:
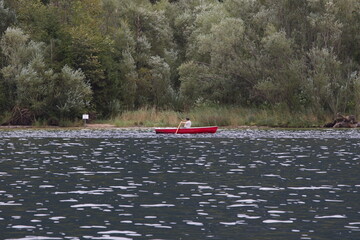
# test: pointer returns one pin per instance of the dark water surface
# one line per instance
(116, 184)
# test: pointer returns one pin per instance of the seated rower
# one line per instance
(187, 123)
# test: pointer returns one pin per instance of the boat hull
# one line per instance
(193, 130)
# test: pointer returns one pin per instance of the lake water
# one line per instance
(117, 184)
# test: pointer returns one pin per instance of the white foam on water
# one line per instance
(126, 206)
(277, 221)
(333, 200)
(91, 205)
(157, 225)
(22, 227)
(310, 188)
(57, 218)
(35, 238)
(11, 203)
(156, 205)
(117, 232)
(106, 237)
(242, 205)
(46, 186)
(247, 216)
(191, 183)
(93, 226)
(188, 222)
(270, 189)
(69, 200)
(233, 223)
(330, 216)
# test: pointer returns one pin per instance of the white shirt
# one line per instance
(187, 124)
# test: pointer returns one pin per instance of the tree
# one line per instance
(283, 71)
(355, 79)
(70, 93)
(328, 86)
(7, 17)
(194, 84)
(34, 87)
(142, 46)
(136, 53)
(17, 53)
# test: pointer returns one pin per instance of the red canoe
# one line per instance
(187, 130)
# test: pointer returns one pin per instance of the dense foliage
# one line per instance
(60, 58)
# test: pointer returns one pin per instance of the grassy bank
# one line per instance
(220, 116)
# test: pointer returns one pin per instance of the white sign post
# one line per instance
(85, 117)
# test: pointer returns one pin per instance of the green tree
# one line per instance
(70, 94)
(7, 17)
(355, 77)
(283, 72)
(135, 53)
(33, 86)
(194, 84)
(140, 34)
(17, 53)
(328, 86)
(32, 89)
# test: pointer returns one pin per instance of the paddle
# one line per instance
(178, 127)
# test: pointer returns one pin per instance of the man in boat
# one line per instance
(187, 123)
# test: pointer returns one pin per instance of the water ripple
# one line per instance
(119, 184)
(257, 134)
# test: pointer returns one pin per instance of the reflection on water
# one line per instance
(248, 184)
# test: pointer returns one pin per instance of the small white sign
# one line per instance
(85, 116)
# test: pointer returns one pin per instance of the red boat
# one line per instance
(192, 130)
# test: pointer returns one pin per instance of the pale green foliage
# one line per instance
(355, 78)
(35, 86)
(124, 38)
(215, 45)
(327, 28)
(247, 53)
(149, 27)
(144, 52)
(207, 16)
(297, 54)
(128, 69)
(222, 40)
(7, 17)
(243, 8)
(71, 93)
(229, 32)
(327, 85)
(32, 85)
(160, 74)
(19, 54)
(277, 46)
(283, 75)
(184, 24)
(193, 83)
(255, 16)
(143, 48)
(15, 49)
(171, 58)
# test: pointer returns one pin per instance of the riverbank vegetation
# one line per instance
(220, 116)
(230, 62)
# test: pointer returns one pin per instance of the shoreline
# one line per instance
(105, 126)
(112, 126)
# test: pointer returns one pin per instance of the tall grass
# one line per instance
(219, 116)
(147, 117)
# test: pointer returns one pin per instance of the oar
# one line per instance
(178, 128)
